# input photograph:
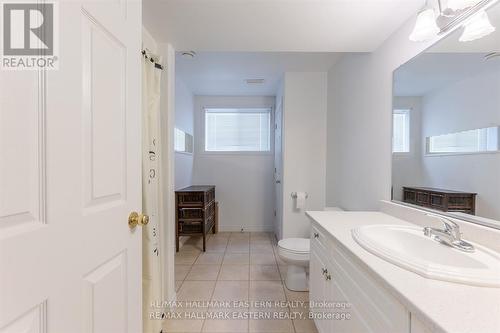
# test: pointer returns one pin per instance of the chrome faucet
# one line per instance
(450, 235)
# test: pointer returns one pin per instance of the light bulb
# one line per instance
(426, 27)
(477, 27)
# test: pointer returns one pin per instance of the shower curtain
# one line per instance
(151, 256)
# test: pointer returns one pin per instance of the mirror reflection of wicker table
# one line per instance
(440, 199)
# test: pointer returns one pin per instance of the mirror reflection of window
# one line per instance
(401, 131)
(467, 142)
(183, 142)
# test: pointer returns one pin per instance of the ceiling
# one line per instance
(224, 73)
(433, 71)
(276, 25)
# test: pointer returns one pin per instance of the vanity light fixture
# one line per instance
(477, 27)
(430, 22)
(426, 27)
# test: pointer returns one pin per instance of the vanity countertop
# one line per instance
(442, 306)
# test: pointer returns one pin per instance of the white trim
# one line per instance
(263, 228)
(183, 152)
(461, 154)
(248, 153)
(402, 154)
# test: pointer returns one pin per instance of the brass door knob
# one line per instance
(135, 219)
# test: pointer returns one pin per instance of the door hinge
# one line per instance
(275, 213)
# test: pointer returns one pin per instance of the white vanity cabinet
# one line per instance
(336, 280)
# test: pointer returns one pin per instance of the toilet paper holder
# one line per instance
(294, 195)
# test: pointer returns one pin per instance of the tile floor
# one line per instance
(236, 286)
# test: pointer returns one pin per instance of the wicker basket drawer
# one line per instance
(190, 213)
(423, 198)
(190, 199)
(190, 227)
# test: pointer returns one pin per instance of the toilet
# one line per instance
(295, 253)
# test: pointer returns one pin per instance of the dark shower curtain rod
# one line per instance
(157, 65)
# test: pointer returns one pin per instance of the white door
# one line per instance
(278, 169)
(70, 174)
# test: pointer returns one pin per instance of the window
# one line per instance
(473, 141)
(237, 130)
(401, 131)
(183, 142)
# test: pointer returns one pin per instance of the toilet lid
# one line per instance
(295, 244)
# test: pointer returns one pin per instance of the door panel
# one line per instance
(104, 114)
(23, 200)
(70, 174)
(30, 322)
(22, 147)
(105, 297)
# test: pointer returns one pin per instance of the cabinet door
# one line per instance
(373, 309)
(356, 322)
(317, 288)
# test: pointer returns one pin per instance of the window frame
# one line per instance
(407, 112)
(202, 123)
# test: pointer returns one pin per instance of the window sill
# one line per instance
(183, 152)
(233, 153)
(461, 154)
(405, 154)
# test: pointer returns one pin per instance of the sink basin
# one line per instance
(408, 248)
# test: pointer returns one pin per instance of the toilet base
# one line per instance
(297, 278)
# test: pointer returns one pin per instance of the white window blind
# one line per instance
(473, 141)
(237, 129)
(401, 131)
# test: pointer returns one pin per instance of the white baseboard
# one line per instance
(263, 228)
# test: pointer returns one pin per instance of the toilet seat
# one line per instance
(295, 245)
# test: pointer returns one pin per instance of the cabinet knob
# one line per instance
(316, 235)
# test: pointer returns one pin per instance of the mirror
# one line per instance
(446, 128)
